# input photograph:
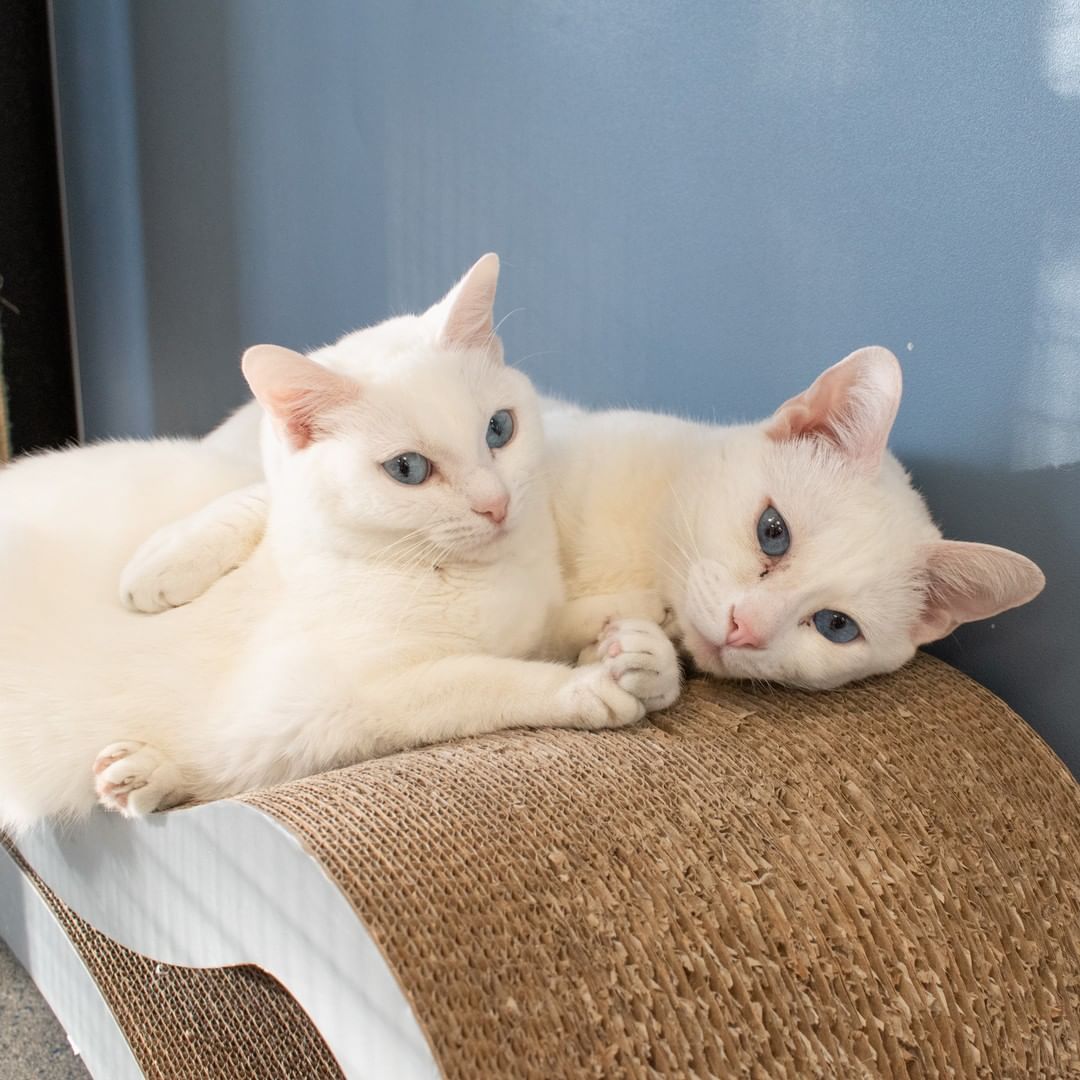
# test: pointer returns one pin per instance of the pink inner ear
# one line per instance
(300, 395)
(468, 309)
(967, 582)
(469, 326)
(302, 413)
(820, 410)
(852, 405)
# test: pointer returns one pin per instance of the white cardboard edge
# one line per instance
(225, 884)
(40, 944)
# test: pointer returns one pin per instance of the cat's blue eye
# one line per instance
(836, 626)
(410, 468)
(772, 532)
(500, 429)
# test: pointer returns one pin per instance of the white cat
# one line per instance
(409, 566)
(794, 550)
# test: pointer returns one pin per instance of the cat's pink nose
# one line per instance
(742, 634)
(493, 508)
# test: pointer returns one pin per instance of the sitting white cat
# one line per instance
(408, 570)
(794, 550)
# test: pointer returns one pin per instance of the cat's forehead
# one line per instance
(825, 491)
(748, 471)
(404, 353)
(843, 522)
(381, 353)
(440, 406)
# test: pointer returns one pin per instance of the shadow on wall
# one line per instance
(1028, 656)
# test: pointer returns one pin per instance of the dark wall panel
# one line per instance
(37, 365)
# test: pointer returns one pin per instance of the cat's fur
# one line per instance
(657, 519)
(374, 615)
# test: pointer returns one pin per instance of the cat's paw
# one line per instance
(588, 619)
(642, 660)
(594, 699)
(637, 672)
(134, 778)
(169, 569)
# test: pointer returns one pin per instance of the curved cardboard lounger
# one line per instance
(880, 881)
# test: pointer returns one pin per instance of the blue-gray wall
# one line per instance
(699, 205)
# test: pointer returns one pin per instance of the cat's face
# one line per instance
(446, 455)
(812, 561)
(413, 434)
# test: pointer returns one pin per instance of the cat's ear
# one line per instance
(965, 582)
(853, 405)
(465, 317)
(299, 395)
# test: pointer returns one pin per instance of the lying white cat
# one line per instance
(409, 567)
(794, 550)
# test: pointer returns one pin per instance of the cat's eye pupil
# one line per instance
(500, 429)
(836, 626)
(410, 468)
(772, 532)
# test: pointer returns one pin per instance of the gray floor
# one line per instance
(33, 1045)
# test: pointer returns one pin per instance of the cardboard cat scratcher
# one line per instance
(881, 881)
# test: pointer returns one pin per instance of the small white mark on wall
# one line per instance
(910, 346)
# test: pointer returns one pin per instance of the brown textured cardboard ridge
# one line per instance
(882, 881)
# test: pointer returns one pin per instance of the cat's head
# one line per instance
(813, 561)
(412, 433)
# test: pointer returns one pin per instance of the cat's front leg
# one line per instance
(580, 623)
(471, 695)
(134, 779)
(298, 716)
(180, 561)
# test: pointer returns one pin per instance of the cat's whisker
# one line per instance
(690, 532)
(678, 572)
(495, 329)
(519, 360)
(405, 556)
(405, 543)
(673, 539)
